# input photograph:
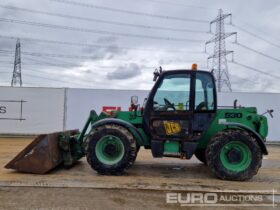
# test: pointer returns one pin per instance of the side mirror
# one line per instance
(134, 100)
(270, 112)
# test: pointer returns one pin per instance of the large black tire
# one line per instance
(137, 150)
(201, 156)
(215, 154)
(127, 158)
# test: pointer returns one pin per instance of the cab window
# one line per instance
(204, 93)
(173, 93)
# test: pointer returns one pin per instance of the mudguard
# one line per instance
(123, 123)
(250, 130)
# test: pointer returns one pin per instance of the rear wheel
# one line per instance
(111, 149)
(234, 155)
(137, 150)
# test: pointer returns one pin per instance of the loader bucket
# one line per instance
(41, 155)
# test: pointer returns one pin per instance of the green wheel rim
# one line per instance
(244, 153)
(101, 150)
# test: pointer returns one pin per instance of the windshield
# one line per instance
(173, 93)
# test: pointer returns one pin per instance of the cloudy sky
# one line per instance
(118, 44)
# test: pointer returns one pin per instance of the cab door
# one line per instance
(171, 107)
(181, 106)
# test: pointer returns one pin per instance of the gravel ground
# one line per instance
(143, 186)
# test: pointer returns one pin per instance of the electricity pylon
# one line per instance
(219, 57)
(16, 80)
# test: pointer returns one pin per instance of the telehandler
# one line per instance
(179, 119)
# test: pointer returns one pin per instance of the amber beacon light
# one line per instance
(194, 66)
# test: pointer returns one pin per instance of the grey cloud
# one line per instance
(125, 72)
(114, 49)
(259, 16)
(107, 39)
(104, 52)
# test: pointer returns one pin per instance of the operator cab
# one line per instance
(173, 93)
(180, 108)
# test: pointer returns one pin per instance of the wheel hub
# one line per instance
(110, 149)
(234, 156)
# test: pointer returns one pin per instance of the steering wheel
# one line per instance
(201, 106)
(168, 104)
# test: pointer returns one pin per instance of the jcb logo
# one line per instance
(172, 127)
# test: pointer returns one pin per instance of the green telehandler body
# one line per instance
(180, 118)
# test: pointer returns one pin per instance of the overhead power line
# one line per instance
(256, 70)
(50, 79)
(96, 45)
(69, 28)
(6, 62)
(56, 80)
(101, 21)
(5, 55)
(63, 66)
(57, 62)
(77, 65)
(256, 36)
(93, 6)
(181, 4)
(67, 64)
(90, 82)
(243, 79)
(253, 26)
(39, 54)
(256, 51)
(70, 56)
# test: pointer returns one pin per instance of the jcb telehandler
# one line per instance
(179, 119)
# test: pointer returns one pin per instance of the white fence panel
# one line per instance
(31, 110)
(43, 110)
(79, 102)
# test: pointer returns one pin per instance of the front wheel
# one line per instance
(111, 149)
(234, 155)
